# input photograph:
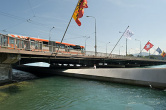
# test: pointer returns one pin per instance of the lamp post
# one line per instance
(50, 32)
(49, 43)
(119, 49)
(95, 36)
(85, 43)
(140, 45)
(106, 48)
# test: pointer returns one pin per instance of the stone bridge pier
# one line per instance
(5, 66)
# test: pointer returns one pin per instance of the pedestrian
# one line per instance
(94, 66)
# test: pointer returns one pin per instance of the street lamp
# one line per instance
(85, 43)
(140, 45)
(50, 32)
(106, 48)
(49, 43)
(119, 49)
(95, 36)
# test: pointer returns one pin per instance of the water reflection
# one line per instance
(66, 93)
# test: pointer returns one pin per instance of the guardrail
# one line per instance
(100, 54)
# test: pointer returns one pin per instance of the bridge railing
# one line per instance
(100, 54)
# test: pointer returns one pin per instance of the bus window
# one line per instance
(77, 47)
(32, 43)
(5, 41)
(22, 44)
(83, 50)
(40, 45)
(66, 49)
(57, 45)
(71, 48)
(45, 43)
(18, 43)
(62, 46)
(36, 45)
(11, 40)
(27, 45)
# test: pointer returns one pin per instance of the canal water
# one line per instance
(66, 93)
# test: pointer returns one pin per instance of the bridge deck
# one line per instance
(39, 54)
(62, 60)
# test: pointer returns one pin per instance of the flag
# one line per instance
(128, 34)
(79, 11)
(148, 46)
(159, 50)
(163, 54)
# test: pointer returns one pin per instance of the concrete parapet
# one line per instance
(135, 76)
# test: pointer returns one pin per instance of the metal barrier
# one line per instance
(100, 54)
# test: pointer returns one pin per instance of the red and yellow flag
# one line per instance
(79, 11)
(163, 54)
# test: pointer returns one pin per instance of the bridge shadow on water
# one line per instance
(41, 72)
(47, 71)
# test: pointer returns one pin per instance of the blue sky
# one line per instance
(35, 18)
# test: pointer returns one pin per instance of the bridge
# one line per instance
(14, 58)
(62, 60)
(18, 50)
(15, 49)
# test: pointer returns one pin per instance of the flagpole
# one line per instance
(119, 40)
(149, 53)
(66, 28)
(155, 51)
(126, 46)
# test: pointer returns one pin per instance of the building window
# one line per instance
(11, 40)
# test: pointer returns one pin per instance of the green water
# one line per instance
(66, 93)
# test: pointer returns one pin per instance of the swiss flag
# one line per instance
(148, 46)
